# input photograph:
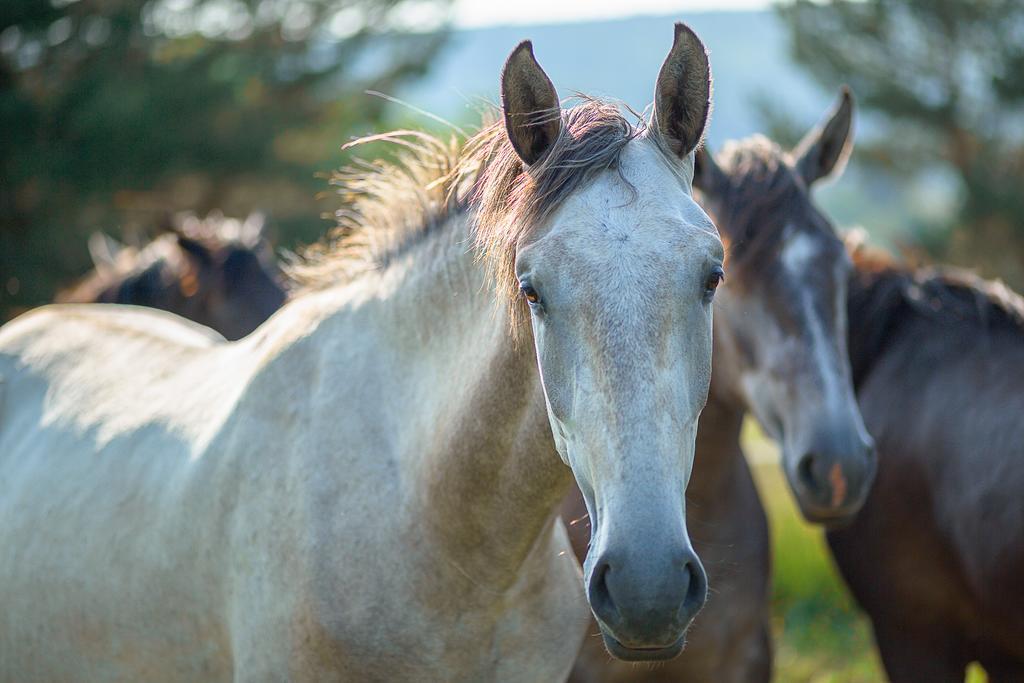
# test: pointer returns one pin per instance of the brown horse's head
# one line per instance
(218, 272)
(780, 320)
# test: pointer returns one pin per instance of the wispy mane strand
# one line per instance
(391, 204)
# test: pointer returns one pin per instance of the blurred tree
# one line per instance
(946, 79)
(114, 113)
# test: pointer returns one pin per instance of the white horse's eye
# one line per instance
(530, 294)
(715, 278)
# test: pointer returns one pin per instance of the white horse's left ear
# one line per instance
(825, 150)
(682, 96)
(533, 117)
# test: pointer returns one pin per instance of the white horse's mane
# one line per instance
(391, 204)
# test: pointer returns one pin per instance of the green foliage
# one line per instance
(116, 113)
(944, 80)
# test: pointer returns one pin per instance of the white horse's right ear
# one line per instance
(103, 250)
(682, 97)
(533, 117)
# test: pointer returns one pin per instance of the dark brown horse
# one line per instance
(780, 353)
(936, 555)
(218, 272)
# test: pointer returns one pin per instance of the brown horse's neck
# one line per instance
(875, 309)
(726, 387)
(721, 421)
(718, 439)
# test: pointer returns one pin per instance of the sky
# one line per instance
(477, 13)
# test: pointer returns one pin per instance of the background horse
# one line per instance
(780, 353)
(219, 272)
(936, 555)
(366, 488)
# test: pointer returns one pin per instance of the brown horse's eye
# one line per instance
(530, 294)
(715, 278)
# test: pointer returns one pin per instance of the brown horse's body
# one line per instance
(936, 556)
(779, 353)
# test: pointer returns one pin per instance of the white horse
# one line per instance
(366, 487)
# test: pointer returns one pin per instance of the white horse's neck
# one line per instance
(475, 429)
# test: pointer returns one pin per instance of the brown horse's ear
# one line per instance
(855, 240)
(825, 150)
(104, 250)
(682, 96)
(251, 232)
(198, 265)
(707, 176)
(194, 250)
(533, 118)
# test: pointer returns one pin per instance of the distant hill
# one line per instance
(620, 59)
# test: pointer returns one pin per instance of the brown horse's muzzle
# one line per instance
(832, 479)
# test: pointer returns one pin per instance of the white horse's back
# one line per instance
(90, 465)
(143, 366)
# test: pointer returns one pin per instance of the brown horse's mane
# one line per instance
(759, 177)
(885, 294)
(390, 205)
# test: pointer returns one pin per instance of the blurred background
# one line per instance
(117, 114)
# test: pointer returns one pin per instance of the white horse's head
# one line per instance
(618, 278)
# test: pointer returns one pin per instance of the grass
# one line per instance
(820, 636)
